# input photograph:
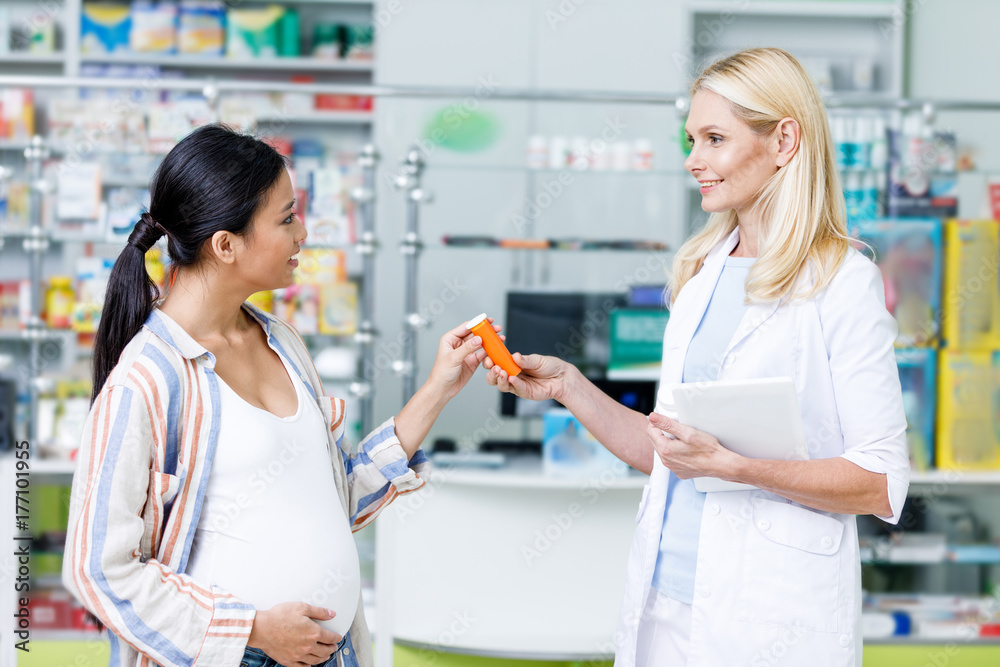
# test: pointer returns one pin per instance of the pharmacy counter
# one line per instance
(505, 563)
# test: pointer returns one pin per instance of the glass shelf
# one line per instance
(931, 641)
(989, 556)
(291, 64)
(46, 334)
(551, 171)
(28, 58)
(460, 246)
(320, 118)
(875, 9)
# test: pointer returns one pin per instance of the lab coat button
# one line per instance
(714, 508)
(705, 593)
(731, 359)
(845, 640)
(763, 524)
(826, 543)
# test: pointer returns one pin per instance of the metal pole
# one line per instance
(366, 246)
(409, 181)
(35, 245)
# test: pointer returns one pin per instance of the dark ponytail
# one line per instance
(214, 179)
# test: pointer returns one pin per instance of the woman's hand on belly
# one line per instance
(288, 634)
(688, 452)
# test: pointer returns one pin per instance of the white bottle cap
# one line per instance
(475, 321)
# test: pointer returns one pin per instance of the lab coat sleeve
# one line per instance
(859, 334)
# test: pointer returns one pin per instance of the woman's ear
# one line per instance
(222, 246)
(787, 135)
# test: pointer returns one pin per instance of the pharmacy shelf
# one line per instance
(884, 9)
(48, 334)
(931, 641)
(360, 3)
(986, 554)
(942, 479)
(321, 118)
(117, 182)
(677, 170)
(635, 374)
(290, 64)
(28, 58)
(528, 245)
(20, 145)
(54, 467)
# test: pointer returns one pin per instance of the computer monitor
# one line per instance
(573, 326)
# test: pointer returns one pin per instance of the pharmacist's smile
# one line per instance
(722, 143)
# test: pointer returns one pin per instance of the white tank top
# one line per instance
(272, 528)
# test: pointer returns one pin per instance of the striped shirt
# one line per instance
(141, 474)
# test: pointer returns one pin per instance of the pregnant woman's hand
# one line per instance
(288, 635)
(459, 355)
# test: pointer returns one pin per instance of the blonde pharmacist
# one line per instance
(769, 288)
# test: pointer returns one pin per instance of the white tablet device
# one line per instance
(758, 419)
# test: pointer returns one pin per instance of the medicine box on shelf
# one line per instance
(908, 252)
(971, 315)
(918, 381)
(968, 431)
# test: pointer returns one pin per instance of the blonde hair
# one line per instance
(801, 207)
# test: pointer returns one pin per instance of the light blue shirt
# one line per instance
(678, 557)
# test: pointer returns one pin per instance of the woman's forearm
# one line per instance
(621, 430)
(415, 420)
(831, 485)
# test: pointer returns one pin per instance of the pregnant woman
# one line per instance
(215, 493)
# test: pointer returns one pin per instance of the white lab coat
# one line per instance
(776, 582)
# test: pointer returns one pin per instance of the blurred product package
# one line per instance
(971, 315)
(264, 32)
(154, 27)
(570, 451)
(923, 178)
(909, 254)
(201, 27)
(968, 419)
(105, 28)
(918, 381)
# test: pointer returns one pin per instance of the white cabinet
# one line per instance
(851, 47)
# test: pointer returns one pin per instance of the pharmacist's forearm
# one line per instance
(415, 420)
(621, 430)
(831, 485)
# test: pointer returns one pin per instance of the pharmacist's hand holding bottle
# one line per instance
(541, 377)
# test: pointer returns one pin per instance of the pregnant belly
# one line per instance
(319, 567)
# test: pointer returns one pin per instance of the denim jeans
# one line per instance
(254, 657)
